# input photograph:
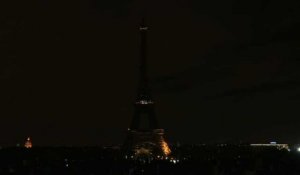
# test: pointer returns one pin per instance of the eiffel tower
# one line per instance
(145, 141)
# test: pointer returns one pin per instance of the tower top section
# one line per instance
(144, 104)
(144, 95)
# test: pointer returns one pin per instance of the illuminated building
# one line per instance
(145, 141)
(28, 143)
(272, 144)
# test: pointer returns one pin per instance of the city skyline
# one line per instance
(220, 73)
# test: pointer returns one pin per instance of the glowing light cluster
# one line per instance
(276, 145)
(28, 143)
(165, 148)
(144, 102)
(142, 151)
(143, 28)
(174, 160)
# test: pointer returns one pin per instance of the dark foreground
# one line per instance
(190, 160)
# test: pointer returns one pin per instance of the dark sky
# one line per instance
(220, 70)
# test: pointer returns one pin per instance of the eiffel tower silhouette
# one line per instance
(145, 140)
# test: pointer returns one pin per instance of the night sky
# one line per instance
(221, 71)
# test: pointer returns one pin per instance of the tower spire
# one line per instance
(143, 91)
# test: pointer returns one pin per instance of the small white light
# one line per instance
(145, 102)
(143, 28)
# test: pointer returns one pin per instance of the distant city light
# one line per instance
(276, 145)
(28, 143)
(144, 102)
(143, 28)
